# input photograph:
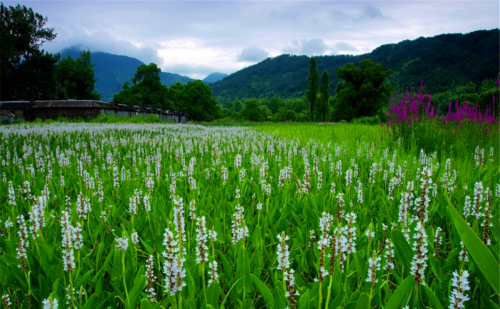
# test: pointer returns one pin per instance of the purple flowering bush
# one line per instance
(415, 120)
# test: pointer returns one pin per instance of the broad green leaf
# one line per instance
(264, 290)
(432, 298)
(400, 294)
(363, 301)
(403, 248)
(480, 254)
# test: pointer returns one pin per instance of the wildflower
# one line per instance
(467, 207)
(340, 206)
(201, 239)
(487, 217)
(23, 242)
(463, 254)
(348, 177)
(283, 253)
(179, 220)
(291, 292)
(6, 301)
(67, 242)
(419, 262)
(312, 237)
(389, 255)
(370, 234)
(150, 275)
(325, 223)
(360, 192)
(192, 209)
(373, 266)
(50, 303)
(422, 203)
(478, 198)
(259, 206)
(122, 243)
(240, 231)
(460, 284)
(349, 233)
(212, 234)
(171, 249)
(437, 241)
(135, 238)
(323, 243)
(12, 196)
(214, 277)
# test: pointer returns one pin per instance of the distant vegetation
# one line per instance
(453, 67)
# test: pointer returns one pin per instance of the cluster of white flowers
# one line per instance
(201, 239)
(122, 243)
(348, 238)
(135, 238)
(325, 223)
(463, 253)
(223, 171)
(373, 266)
(179, 219)
(460, 284)
(50, 303)
(22, 232)
(12, 196)
(239, 230)
(150, 275)
(283, 253)
(291, 291)
(68, 237)
(6, 301)
(340, 206)
(478, 198)
(348, 177)
(389, 255)
(82, 205)
(214, 277)
(37, 218)
(419, 262)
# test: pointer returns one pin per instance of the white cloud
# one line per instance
(252, 54)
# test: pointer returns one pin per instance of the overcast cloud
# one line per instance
(198, 38)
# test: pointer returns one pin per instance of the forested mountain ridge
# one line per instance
(112, 71)
(442, 62)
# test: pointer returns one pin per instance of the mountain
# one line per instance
(441, 62)
(214, 77)
(112, 71)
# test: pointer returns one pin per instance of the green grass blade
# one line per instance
(399, 295)
(478, 251)
(264, 290)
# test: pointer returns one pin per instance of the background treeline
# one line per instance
(285, 88)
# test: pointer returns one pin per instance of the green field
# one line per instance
(259, 216)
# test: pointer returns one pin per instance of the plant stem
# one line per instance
(124, 281)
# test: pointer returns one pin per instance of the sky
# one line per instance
(196, 38)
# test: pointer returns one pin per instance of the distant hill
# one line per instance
(112, 71)
(441, 61)
(214, 77)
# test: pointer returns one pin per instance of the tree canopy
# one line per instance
(146, 90)
(312, 89)
(75, 78)
(27, 72)
(361, 90)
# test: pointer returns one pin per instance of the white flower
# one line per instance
(122, 243)
(460, 284)
(283, 253)
(135, 238)
(49, 303)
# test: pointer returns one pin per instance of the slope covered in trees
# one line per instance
(112, 71)
(444, 62)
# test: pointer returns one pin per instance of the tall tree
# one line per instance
(27, 72)
(324, 99)
(196, 100)
(361, 91)
(147, 90)
(312, 90)
(75, 78)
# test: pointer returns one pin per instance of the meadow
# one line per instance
(128, 215)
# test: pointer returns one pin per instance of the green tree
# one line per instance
(147, 90)
(196, 100)
(324, 99)
(361, 91)
(75, 78)
(312, 90)
(27, 72)
(251, 111)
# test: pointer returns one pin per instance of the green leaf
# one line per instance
(264, 290)
(305, 300)
(480, 254)
(400, 293)
(403, 248)
(432, 298)
(363, 301)
(136, 290)
(146, 304)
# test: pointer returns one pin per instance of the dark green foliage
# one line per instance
(324, 99)
(362, 91)
(147, 90)
(443, 62)
(312, 89)
(375, 120)
(253, 111)
(27, 72)
(196, 99)
(75, 78)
